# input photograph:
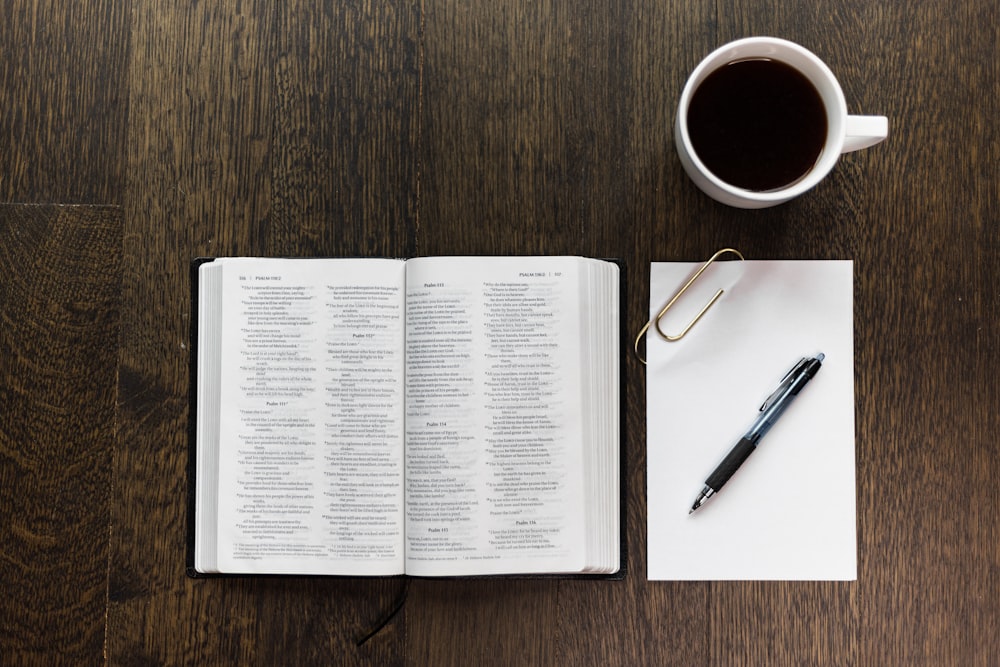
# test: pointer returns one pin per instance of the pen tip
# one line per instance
(820, 357)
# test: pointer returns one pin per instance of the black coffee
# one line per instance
(757, 124)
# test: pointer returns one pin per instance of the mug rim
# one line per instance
(830, 92)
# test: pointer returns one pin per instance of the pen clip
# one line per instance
(789, 378)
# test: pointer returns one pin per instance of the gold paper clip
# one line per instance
(656, 321)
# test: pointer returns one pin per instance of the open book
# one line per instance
(451, 416)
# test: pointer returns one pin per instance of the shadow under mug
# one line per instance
(845, 133)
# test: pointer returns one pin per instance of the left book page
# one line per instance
(303, 362)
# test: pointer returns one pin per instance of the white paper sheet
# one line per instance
(789, 512)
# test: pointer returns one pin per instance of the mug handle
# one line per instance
(864, 131)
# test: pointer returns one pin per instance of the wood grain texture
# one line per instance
(927, 445)
(62, 100)
(522, 128)
(60, 300)
(484, 127)
(344, 160)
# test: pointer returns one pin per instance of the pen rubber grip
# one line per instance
(734, 459)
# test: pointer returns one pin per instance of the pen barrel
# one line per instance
(734, 459)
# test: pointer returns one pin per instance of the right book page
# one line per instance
(789, 512)
(496, 428)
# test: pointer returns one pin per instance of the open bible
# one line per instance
(438, 416)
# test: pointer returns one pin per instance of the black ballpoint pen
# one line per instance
(772, 408)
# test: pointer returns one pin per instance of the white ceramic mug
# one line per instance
(845, 133)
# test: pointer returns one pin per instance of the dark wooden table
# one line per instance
(137, 135)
